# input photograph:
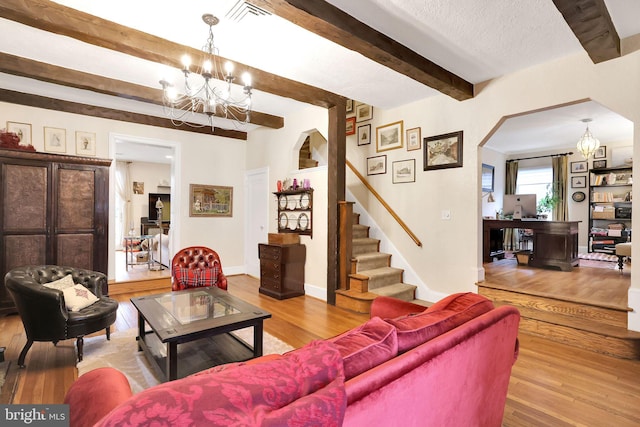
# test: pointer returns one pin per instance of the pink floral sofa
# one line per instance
(447, 365)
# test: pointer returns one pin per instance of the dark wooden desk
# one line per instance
(555, 243)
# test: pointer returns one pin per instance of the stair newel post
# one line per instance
(345, 242)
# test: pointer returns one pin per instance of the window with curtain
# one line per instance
(534, 180)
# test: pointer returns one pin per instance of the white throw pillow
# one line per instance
(61, 284)
(78, 297)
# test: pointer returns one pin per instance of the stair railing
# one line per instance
(384, 204)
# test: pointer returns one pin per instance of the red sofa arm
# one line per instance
(389, 308)
(94, 394)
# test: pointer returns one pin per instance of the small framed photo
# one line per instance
(579, 181)
(601, 152)
(413, 139)
(55, 140)
(377, 165)
(23, 130)
(389, 137)
(138, 187)
(443, 151)
(599, 164)
(349, 106)
(579, 167)
(363, 112)
(351, 125)
(364, 134)
(85, 143)
(404, 171)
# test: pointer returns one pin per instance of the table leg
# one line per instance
(257, 339)
(172, 361)
(140, 330)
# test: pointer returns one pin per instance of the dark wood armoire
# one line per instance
(54, 210)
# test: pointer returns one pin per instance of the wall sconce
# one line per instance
(490, 199)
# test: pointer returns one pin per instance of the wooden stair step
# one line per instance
(383, 276)
(401, 291)
(364, 245)
(531, 304)
(371, 260)
(360, 302)
(616, 342)
(360, 231)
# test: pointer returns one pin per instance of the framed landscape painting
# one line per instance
(389, 137)
(443, 151)
(404, 171)
(377, 165)
(364, 135)
(210, 200)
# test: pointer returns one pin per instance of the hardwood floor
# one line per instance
(551, 384)
(604, 287)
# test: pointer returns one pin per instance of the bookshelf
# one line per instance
(609, 208)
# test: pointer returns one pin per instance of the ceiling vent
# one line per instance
(242, 9)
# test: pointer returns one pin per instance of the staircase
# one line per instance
(304, 156)
(371, 274)
(594, 328)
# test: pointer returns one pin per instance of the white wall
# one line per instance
(278, 150)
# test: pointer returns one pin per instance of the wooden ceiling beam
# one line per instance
(24, 67)
(58, 19)
(38, 101)
(333, 24)
(591, 23)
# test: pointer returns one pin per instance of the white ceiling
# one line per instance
(475, 39)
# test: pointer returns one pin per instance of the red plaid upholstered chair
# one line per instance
(196, 266)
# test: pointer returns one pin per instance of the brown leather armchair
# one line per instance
(198, 258)
(43, 310)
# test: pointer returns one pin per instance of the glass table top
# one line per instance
(193, 306)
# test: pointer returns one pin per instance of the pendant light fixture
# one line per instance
(588, 144)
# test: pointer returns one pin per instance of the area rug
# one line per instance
(121, 352)
(4, 367)
(598, 256)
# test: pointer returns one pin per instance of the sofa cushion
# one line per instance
(196, 277)
(61, 284)
(304, 387)
(366, 346)
(78, 297)
(441, 317)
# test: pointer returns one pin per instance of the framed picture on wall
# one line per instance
(599, 164)
(404, 171)
(579, 181)
(55, 140)
(210, 200)
(389, 137)
(364, 112)
(601, 152)
(364, 134)
(351, 125)
(377, 165)
(23, 130)
(413, 139)
(579, 167)
(443, 151)
(85, 143)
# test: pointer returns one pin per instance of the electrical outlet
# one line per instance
(445, 214)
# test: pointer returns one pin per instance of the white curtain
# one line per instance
(123, 202)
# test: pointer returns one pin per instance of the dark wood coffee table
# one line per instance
(199, 320)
